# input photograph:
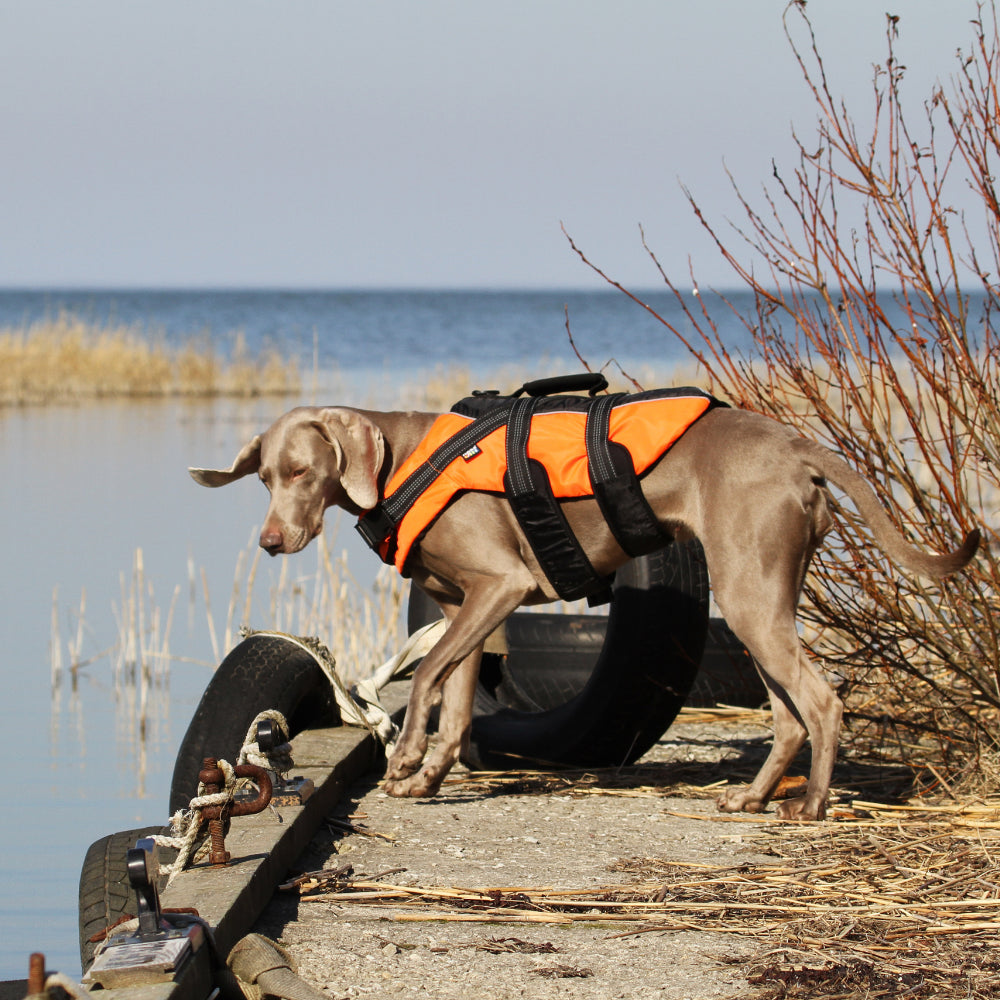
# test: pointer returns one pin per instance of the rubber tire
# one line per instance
(647, 654)
(262, 672)
(553, 655)
(105, 893)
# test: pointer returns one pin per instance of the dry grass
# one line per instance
(362, 626)
(68, 360)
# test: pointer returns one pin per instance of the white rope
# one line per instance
(186, 824)
(279, 757)
(361, 706)
(63, 982)
(366, 692)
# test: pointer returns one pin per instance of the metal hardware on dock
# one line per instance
(160, 948)
(213, 780)
(285, 791)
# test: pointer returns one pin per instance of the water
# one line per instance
(372, 332)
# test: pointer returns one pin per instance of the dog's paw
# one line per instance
(401, 765)
(421, 785)
(802, 809)
(739, 800)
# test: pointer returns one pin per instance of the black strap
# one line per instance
(518, 429)
(616, 486)
(599, 461)
(530, 496)
(380, 523)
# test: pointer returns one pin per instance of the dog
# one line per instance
(748, 487)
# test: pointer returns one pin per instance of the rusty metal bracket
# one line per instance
(213, 780)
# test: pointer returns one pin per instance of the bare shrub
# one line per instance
(872, 330)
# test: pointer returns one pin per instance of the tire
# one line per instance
(551, 657)
(588, 691)
(728, 675)
(105, 893)
(262, 672)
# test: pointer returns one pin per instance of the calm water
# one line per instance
(375, 331)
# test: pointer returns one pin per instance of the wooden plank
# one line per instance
(264, 849)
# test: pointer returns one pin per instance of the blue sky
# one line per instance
(406, 144)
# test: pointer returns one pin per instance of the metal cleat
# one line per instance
(213, 781)
(161, 947)
(285, 791)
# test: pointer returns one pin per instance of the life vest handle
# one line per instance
(590, 382)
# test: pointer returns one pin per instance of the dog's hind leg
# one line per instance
(813, 711)
(757, 579)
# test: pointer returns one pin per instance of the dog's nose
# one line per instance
(271, 541)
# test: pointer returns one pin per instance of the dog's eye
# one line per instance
(299, 473)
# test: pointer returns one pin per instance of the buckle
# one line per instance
(375, 527)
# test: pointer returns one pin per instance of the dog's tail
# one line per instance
(833, 468)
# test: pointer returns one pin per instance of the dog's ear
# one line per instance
(247, 462)
(360, 450)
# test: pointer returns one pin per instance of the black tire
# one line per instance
(262, 672)
(728, 675)
(105, 893)
(589, 691)
(551, 658)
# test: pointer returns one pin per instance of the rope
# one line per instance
(350, 713)
(186, 824)
(56, 981)
(279, 758)
(360, 706)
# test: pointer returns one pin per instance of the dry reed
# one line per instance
(362, 626)
(67, 360)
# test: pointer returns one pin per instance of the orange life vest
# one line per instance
(637, 429)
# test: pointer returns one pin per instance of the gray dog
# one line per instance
(751, 490)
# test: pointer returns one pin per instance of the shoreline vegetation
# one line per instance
(862, 219)
(68, 360)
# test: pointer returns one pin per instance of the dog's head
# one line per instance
(309, 459)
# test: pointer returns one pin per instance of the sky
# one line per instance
(408, 143)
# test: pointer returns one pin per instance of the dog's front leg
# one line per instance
(454, 726)
(486, 604)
